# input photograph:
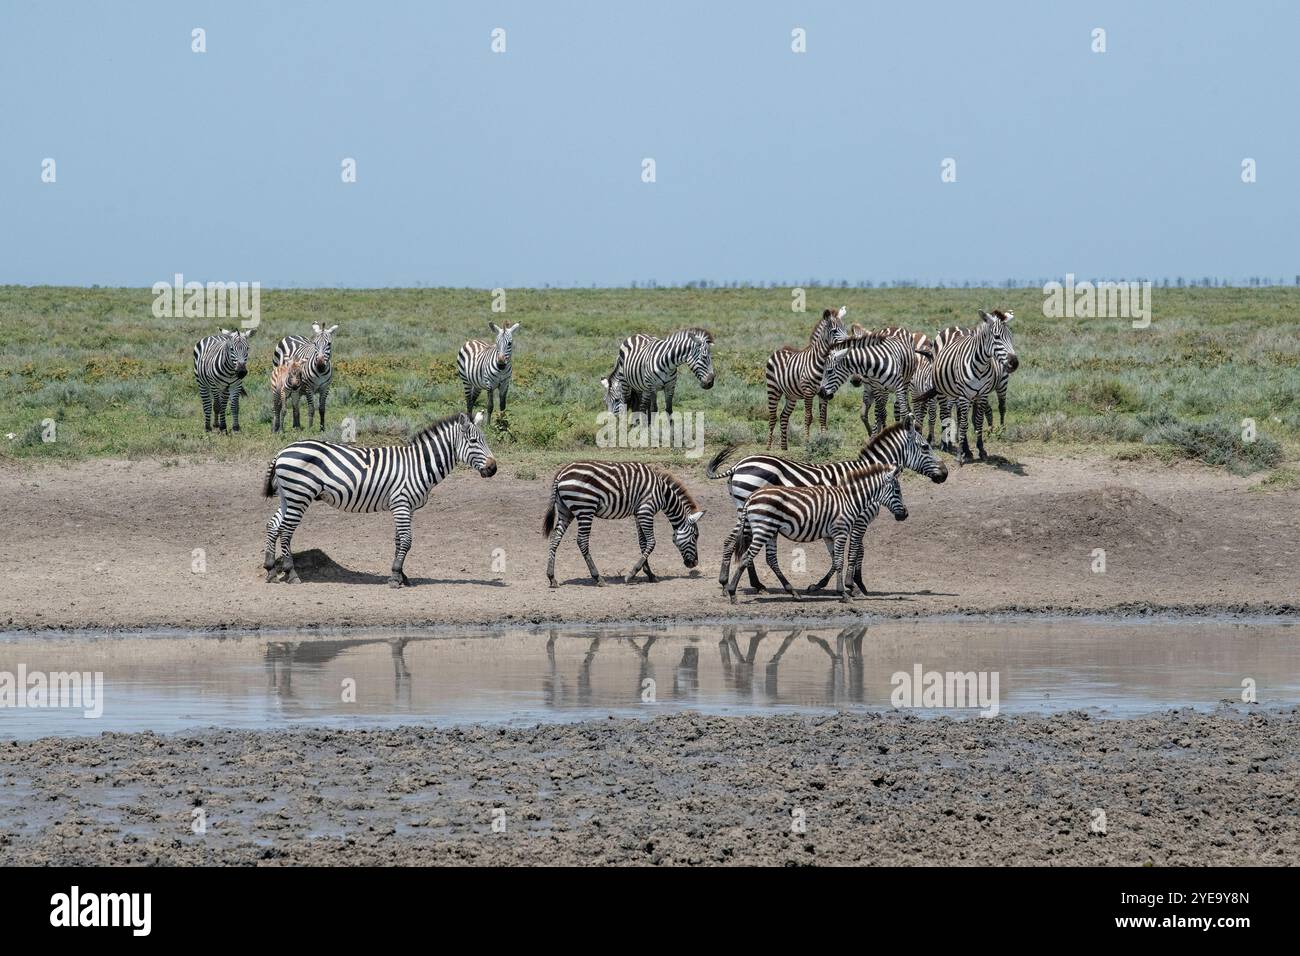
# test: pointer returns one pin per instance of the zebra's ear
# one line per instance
(985, 317)
(838, 354)
(496, 329)
(694, 516)
(315, 327)
(225, 331)
(604, 383)
(478, 419)
(248, 333)
(513, 329)
(844, 310)
(332, 329)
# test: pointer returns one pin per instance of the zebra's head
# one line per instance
(700, 357)
(323, 340)
(831, 331)
(237, 349)
(919, 455)
(615, 401)
(834, 372)
(504, 341)
(293, 375)
(471, 446)
(687, 538)
(892, 495)
(998, 327)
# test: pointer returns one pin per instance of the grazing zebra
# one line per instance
(396, 478)
(899, 444)
(920, 378)
(221, 361)
(647, 365)
(608, 489)
(285, 380)
(318, 368)
(486, 366)
(612, 389)
(794, 374)
(966, 369)
(837, 514)
(884, 363)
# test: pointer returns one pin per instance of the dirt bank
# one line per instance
(1178, 788)
(141, 544)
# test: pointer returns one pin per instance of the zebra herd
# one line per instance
(953, 373)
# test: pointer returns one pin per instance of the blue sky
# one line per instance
(524, 168)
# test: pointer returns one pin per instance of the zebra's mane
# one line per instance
(435, 427)
(866, 471)
(696, 330)
(676, 483)
(883, 436)
(871, 338)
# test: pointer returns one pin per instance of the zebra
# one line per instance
(484, 366)
(286, 379)
(983, 410)
(612, 392)
(647, 365)
(318, 368)
(605, 489)
(884, 363)
(966, 369)
(794, 374)
(921, 378)
(357, 478)
(837, 514)
(220, 362)
(901, 443)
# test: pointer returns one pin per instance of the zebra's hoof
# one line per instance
(650, 577)
(732, 596)
(396, 583)
(554, 583)
(292, 578)
(235, 429)
(272, 574)
(600, 582)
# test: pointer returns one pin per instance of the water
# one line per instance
(171, 683)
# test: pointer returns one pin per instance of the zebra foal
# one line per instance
(357, 478)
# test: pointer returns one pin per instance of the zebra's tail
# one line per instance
(716, 460)
(268, 488)
(548, 523)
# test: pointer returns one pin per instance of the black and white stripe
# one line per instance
(837, 514)
(647, 365)
(921, 389)
(220, 364)
(899, 444)
(981, 410)
(794, 374)
(316, 354)
(396, 478)
(966, 370)
(884, 363)
(486, 366)
(625, 489)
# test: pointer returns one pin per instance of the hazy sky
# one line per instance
(525, 167)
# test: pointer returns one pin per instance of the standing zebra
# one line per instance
(966, 370)
(286, 379)
(899, 444)
(983, 410)
(884, 363)
(220, 362)
(396, 478)
(620, 489)
(318, 368)
(484, 366)
(647, 365)
(794, 374)
(921, 378)
(837, 514)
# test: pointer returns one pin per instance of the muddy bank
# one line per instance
(1178, 788)
(139, 545)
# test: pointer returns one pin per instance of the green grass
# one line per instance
(117, 381)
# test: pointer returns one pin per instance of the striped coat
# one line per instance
(285, 380)
(794, 374)
(838, 514)
(647, 365)
(981, 410)
(966, 370)
(316, 355)
(899, 444)
(396, 478)
(220, 364)
(884, 363)
(624, 489)
(486, 366)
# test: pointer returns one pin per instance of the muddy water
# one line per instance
(167, 684)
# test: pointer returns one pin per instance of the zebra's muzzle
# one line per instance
(1013, 363)
(489, 468)
(901, 516)
(940, 474)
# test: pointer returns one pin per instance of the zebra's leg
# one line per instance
(491, 394)
(775, 565)
(471, 396)
(223, 399)
(205, 396)
(980, 410)
(272, 536)
(645, 534)
(881, 400)
(297, 397)
(502, 389)
(787, 406)
(277, 411)
(234, 406)
(561, 523)
(822, 405)
(902, 404)
(841, 540)
(963, 413)
(402, 541)
(825, 579)
(755, 545)
(584, 545)
(1002, 406)
(855, 562)
(727, 545)
(288, 525)
(323, 393)
(772, 399)
(807, 419)
(931, 414)
(945, 424)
